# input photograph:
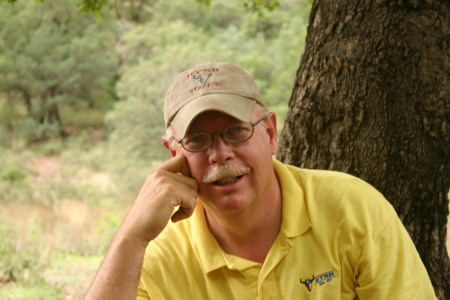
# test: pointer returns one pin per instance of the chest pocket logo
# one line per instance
(308, 283)
(319, 279)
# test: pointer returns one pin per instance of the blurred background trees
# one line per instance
(56, 63)
(81, 115)
(52, 57)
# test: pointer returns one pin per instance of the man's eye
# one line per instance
(196, 139)
(237, 130)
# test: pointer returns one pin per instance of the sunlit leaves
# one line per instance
(94, 5)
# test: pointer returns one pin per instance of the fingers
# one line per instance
(177, 164)
(166, 188)
(184, 212)
(179, 189)
(185, 193)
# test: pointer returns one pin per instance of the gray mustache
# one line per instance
(224, 171)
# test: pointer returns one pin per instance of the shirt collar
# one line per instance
(295, 215)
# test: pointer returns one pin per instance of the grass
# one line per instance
(19, 291)
(72, 274)
(67, 277)
(60, 205)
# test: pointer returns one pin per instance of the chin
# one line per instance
(227, 203)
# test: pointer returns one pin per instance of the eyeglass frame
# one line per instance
(211, 135)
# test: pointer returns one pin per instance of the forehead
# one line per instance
(211, 120)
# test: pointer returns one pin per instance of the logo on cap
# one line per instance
(202, 78)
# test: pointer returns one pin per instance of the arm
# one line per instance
(165, 188)
(391, 268)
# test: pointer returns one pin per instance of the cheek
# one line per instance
(196, 166)
(262, 147)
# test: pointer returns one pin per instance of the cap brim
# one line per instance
(238, 107)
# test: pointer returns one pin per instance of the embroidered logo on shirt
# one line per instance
(308, 283)
(325, 277)
(319, 279)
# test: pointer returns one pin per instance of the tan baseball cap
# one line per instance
(210, 86)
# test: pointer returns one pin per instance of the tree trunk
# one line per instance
(54, 116)
(372, 99)
(53, 112)
(27, 99)
(50, 110)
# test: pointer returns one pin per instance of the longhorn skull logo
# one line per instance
(308, 283)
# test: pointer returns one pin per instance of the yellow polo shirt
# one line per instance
(339, 239)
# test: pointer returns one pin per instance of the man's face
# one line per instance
(233, 193)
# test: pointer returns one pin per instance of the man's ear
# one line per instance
(272, 132)
(165, 141)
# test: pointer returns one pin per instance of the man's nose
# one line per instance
(220, 150)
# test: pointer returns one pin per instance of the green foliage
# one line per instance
(20, 262)
(12, 175)
(98, 5)
(93, 5)
(51, 56)
(259, 6)
(31, 130)
(57, 59)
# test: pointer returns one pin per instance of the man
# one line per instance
(247, 226)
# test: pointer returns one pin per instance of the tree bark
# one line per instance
(27, 99)
(50, 110)
(372, 99)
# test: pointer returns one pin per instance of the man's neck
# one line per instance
(249, 234)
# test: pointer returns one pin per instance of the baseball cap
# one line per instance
(208, 86)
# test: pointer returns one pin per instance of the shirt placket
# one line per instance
(268, 285)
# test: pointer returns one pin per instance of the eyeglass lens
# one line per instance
(233, 134)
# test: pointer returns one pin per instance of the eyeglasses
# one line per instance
(233, 134)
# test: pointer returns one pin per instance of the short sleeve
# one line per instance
(390, 267)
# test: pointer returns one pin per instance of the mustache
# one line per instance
(224, 171)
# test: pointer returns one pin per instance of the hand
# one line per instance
(165, 188)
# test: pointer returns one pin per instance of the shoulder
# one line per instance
(328, 180)
(339, 197)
